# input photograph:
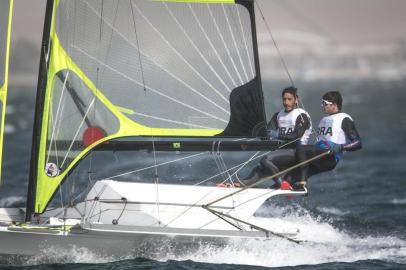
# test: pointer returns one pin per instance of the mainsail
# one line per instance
(6, 8)
(140, 68)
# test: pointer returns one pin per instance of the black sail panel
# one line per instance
(247, 118)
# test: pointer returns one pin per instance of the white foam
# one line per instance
(279, 253)
(323, 244)
(69, 254)
(333, 211)
(399, 201)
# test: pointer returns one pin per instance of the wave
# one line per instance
(11, 201)
(333, 211)
(399, 201)
(71, 254)
(322, 244)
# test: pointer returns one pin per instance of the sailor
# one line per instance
(336, 132)
(292, 125)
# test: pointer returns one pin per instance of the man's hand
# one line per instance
(336, 148)
(273, 134)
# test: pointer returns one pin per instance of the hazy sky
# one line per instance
(344, 21)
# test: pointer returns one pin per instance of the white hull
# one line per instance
(109, 225)
(117, 241)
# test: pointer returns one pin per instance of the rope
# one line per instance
(241, 165)
(270, 177)
(249, 186)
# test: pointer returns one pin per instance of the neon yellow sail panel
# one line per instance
(138, 68)
(6, 8)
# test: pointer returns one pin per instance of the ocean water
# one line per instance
(353, 218)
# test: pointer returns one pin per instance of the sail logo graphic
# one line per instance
(51, 169)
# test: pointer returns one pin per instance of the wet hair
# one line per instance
(335, 97)
(290, 90)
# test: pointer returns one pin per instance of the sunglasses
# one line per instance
(325, 103)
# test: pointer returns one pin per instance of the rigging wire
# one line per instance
(266, 231)
(220, 159)
(282, 59)
(61, 106)
(98, 85)
(224, 167)
(156, 181)
(153, 166)
(93, 114)
(111, 35)
(138, 47)
(222, 163)
(271, 177)
(274, 42)
(207, 206)
(214, 154)
(241, 165)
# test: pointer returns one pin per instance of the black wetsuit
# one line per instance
(282, 158)
(329, 162)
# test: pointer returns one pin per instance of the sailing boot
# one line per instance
(299, 186)
(277, 184)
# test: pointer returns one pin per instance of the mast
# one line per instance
(6, 9)
(39, 109)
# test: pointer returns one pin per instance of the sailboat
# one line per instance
(171, 89)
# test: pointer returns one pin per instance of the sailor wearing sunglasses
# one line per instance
(336, 132)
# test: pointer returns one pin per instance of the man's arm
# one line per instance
(273, 124)
(301, 125)
(272, 127)
(352, 135)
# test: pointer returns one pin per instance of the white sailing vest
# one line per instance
(330, 128)
(287, 121)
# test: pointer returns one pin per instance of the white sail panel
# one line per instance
(173, 64)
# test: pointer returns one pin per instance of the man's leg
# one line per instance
(323, 164)
(257, 173)
(303, 153)
(278, 160)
